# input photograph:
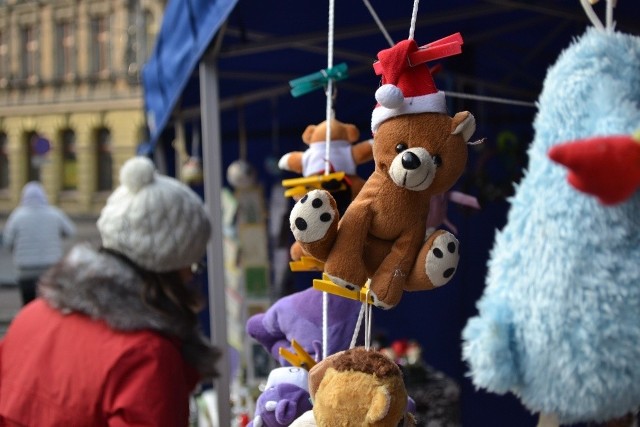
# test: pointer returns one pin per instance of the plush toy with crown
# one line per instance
(419, 151)
(285, 398)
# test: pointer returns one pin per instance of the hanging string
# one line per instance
(242, 133)
(377, 20)
(367, 322)
(610, 5)
(414, 18)
(493, 99)
(356, 331)
(591, 14)
(327, 165)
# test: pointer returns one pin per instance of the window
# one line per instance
(100, 45)
(4, 59)
(4, 161)
(105, 168)
(30, 56)
(65, 45)
(69, 160)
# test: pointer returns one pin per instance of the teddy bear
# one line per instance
(345, 154)
(285, 398)
(419, 151)
(357, 388)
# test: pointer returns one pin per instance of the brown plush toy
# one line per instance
(419, 151)
(344, 154)
(357, 388)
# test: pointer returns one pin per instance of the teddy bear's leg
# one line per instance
(436, 262)
(314, 223)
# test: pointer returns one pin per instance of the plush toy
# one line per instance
(419, 151)
(357, 388)
(344, 154)
(559, 321)
(285, 398)
(299, 316)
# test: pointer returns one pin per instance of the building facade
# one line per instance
(71, 102)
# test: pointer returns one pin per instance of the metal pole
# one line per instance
(212, 168)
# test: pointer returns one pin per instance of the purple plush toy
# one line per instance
(299, 316)
(285, 398)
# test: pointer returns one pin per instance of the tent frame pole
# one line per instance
(212, 169)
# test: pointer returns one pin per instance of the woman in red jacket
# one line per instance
(113, 339)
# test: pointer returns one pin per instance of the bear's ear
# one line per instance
(464, 124)
(308, 133)
(353, 134)
(380, 404)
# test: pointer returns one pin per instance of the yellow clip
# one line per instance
(326, 285)
(300, 358)
(300, 186)
(306, 263)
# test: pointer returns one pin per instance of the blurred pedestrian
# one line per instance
(113, 339)
(34, 232)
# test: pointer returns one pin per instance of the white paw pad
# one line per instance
(312, 216)
(442, 259)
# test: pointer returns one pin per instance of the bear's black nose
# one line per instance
(410, 160)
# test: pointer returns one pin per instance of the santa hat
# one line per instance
(407, 85)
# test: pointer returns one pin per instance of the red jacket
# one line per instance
(70, 370)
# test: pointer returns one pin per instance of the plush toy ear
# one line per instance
(463, 123)
(380, 404)
(308, 133)
(353, 134)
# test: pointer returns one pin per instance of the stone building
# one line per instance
(71, 104)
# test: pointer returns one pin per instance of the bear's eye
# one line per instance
(401, 147)
(437, 160)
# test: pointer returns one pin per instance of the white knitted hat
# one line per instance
(154, 220)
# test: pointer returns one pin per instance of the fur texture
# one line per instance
(102, 287)
(559, 321)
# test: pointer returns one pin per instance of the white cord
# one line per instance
(414, 18)
(367, 322)
(356, 332)
(383, 30)
(325, 320)
(327, 165)
(489, 99)
(591, 14)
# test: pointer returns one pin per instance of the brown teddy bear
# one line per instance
(419, 151)
(345, 155)
(357, 388)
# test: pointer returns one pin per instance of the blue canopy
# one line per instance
(188, 27)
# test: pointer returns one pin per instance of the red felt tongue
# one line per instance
(606, 167)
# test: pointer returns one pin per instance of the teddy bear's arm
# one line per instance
(362, 152)
(291, 162)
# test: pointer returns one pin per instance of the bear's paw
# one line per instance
(442, 259)
(312, 216)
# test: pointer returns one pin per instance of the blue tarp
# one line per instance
(188, 27)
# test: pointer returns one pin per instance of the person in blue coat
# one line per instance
(34, 232)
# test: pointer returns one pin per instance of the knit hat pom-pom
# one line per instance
(389, 96)
(137, 173)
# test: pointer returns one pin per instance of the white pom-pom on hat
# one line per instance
(136, 173)
(389, 96)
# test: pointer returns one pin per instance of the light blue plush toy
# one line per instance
(559, 321)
